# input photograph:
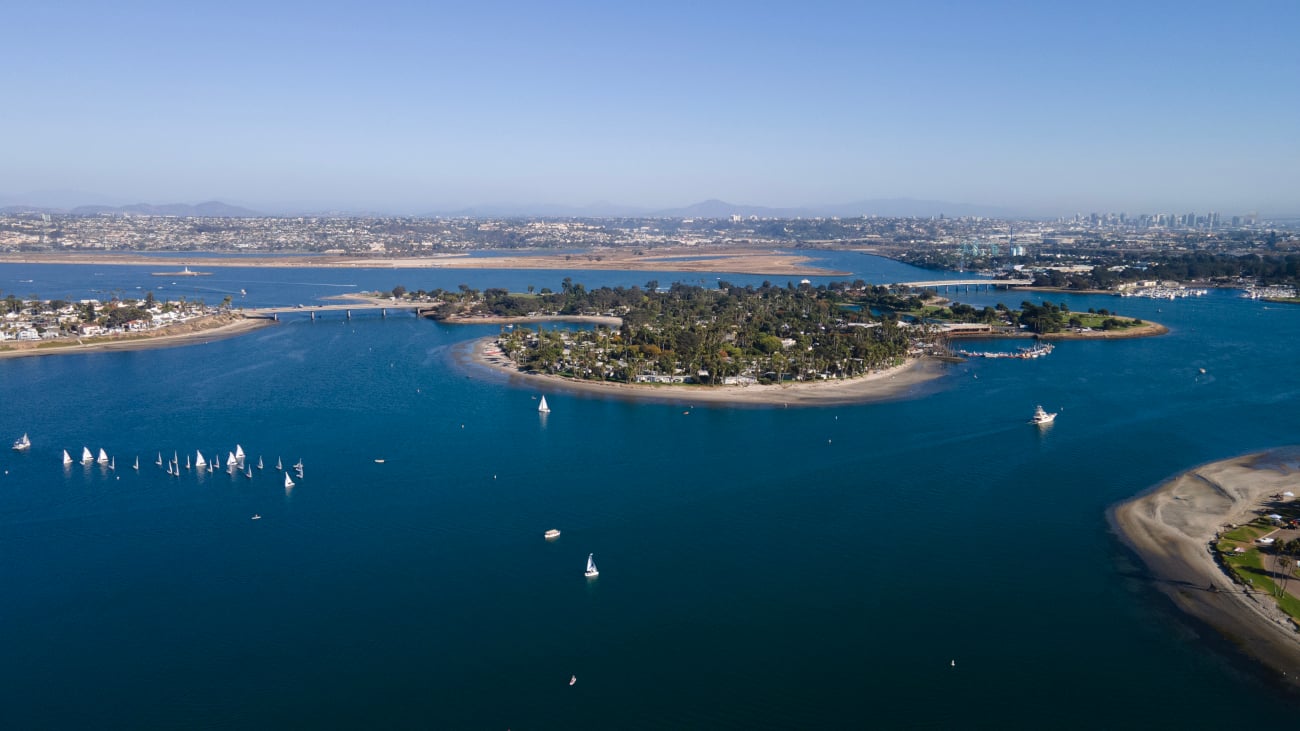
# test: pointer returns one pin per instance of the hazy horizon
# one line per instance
(1044, 111)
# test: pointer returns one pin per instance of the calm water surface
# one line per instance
(760, 567)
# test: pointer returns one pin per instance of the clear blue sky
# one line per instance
(1041, 106)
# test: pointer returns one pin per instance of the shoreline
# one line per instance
(683, 260)
(887, 385)
(1171, 528)
(231, 326)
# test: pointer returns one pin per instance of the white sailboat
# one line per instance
(543, 408)
(230, 459)
(86, 456)
(591, 567)
(259, 463)
(249, 473)
(103, 456)
(112, 464)
(169, 468)
(137, 462)
(239, 453)
(67, 458)
(160, 459)
(278, 464)
(199, 461)
(187, 462)
(22, 444)
(288, 482)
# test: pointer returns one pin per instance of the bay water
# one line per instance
(926, 562)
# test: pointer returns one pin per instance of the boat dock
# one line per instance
(1038, 351)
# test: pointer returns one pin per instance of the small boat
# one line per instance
(169, 468)
(278, 464)
(239, 453)
(211, 468)
(288, 481)
(187, 463)
(542, 408)
(249, 473)
(379, 461)
(103, 456)
(1042, 417)
(552, 534)
(573, 679)
(198, 460)
(230, 460)
(112, 464)
(67, 458)
(259, 463)
(22, 444)
(159, 459)
(137, 462)
(591, 567)
(86, 456)
(255, 517)
(1202, 373)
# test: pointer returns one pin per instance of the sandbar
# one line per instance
(885, 385)
(1172, 529)
(203, 330)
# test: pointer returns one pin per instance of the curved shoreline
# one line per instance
(887, 385)
(237, 325)
(1171, 528)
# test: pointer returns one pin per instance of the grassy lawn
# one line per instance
(1249, 566)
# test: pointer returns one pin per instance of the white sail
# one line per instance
(160, 459)
(187, 461)
(278, 464)
(249, 473)
(199, 461)
(230, 459)
(288, 482)
(22, 443)
(103, 456)
(112, 464)
(239, 453)
(86, 456)
(591, 565)
(542, 407)
(259, 463)
(67, 458)
(137, 462)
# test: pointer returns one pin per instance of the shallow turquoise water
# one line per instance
(760, 567)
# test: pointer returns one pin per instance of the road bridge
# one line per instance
(944, 284)
(273, 313)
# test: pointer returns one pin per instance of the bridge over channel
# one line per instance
(273, 313)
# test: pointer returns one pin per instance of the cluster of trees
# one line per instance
(1041, 319)
(769, 333)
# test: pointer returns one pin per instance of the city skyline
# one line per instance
(389, 108)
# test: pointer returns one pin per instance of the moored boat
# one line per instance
(591, 567)
(22, 444)
(542, 407)
(1042, 417)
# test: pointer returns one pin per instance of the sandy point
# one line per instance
(900, 382)
(1172, 529)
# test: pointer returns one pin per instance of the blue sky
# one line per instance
(1042, 107)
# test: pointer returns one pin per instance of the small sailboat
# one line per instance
(239, 453)
(259, 463)
(169, 468)
(137, 463)
(86, 456)
(211, 468)
(160, 459)
(249, 473)
(230, 459)
(187, 463)
(67, 458)
(591, 567)
(288, 481)
(256, 517)
(22, 444)
(103, 456)
(199, 461)
(112, 464)
(278, 464)
(542, 407)
(573, 679)
(176, 460)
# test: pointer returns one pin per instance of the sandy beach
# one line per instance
(1172, 526)
(203, 331)
(694, 259)
(886, 385)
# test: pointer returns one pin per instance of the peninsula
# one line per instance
(1222, 542)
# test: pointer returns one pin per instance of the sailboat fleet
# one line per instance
(236, 462)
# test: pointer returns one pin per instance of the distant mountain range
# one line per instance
(89, 204)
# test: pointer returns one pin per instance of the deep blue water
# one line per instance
(760, 567)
